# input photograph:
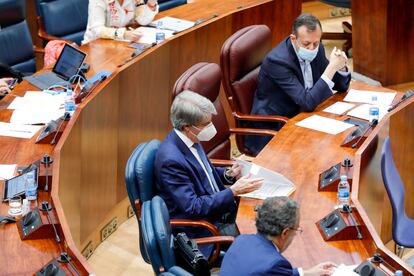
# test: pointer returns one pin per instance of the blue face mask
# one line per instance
(306, 54)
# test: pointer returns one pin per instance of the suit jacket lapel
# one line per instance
(189, 156)
(294, 57)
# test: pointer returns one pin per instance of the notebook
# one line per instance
(67, 65)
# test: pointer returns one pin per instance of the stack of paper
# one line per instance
(37, 108)
(173, 24)
(339, 108)
(361, 96)
(274, 184)
(362, 112)
(323, 124)
(149, 34)
(7, 171)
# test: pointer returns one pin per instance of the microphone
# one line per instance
(347, 209)
(201, 20)
(95, 84)
(64, 258)
(371, 124)
(406, 96)
(46, 207)
(378, 259)
(66, 117)
(47, 160)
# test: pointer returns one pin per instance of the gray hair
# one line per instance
(308, 20)
(190, 108)
(276, 214)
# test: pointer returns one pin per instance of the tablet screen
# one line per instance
(16, 186)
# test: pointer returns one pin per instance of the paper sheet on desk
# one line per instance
(362, 112)
(37, 116)
(148, 34)
(274, 184)
(339, 108)
(323, 124)
(361, 96)
(7, 171)
(17, 130)
(345, 270)
(173, 24)
(38, 100)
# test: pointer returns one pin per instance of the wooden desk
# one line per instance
(382, 39)
(131, 107)
(301, 155)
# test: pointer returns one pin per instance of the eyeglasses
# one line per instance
(299, 230)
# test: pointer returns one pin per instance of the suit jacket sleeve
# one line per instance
(176, 178)
(283, 74)
(283, 267)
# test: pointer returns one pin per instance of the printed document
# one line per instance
(173, 24)
(361, 96)
(339, 108)
(345, 270)
(17, 130)
(362, 112)
(149, 34)
(274, 184)
(323, 124)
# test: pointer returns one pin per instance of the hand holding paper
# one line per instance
(246, 185)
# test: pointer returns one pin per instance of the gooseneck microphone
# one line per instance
(371, 124)
(66, 117)
(347, 209)
(46, 160)
(46, 207)
(64, 258)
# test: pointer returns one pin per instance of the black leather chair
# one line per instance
(169, 4)
(62, 19)
(205, 78)
(16, 46)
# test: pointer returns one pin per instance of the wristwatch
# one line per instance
(116, 33)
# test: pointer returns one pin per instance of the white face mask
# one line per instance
(207, 133)
(306, 54)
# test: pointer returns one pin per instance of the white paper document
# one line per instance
(339, 108)
(362, 112)
(361, 96)
(7, 171)
(323, 124)
(149, 34)
(173, 24)
(274, 184)
(17, 130)
(345, 270)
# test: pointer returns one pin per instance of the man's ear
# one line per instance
(292, 37)
(285, 233)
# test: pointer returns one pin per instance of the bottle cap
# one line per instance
(344, 178)
(374, 98)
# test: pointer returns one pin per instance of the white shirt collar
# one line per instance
(187, 141)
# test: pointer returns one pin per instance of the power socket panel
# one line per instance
(108, 229)
(88, 250)
(130, 212)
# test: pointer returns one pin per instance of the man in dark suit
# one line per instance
(277, 223)
(191, 187)
(296, 76)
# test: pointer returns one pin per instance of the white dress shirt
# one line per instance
(107, 18)
(190, 144)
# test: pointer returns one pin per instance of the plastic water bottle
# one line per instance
(343, 192)
(70, 105)
(398, 273)
(160, 35)
(31, 186)
(25, 207)
(374, 109)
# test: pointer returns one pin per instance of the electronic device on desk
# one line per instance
(52, 268)
(340, 224)
(34, 226)
(405, 97)
(358, 136)
(91, 85)
(329, 179)
(63, 265)
(52, 131)
(16, 186)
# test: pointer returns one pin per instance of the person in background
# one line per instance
(296, 76)
(190, 185)
(277, 223)
(110, 18)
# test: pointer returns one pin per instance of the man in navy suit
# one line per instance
(277, 223)
(191, 187)
(296, 76)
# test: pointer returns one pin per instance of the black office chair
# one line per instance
(347, 28)
(169, 4)
(16, 45)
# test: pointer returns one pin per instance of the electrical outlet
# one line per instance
(88, 250)
(130, 212)
(108, 229)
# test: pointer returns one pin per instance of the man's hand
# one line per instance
(234, 171)
(337, 61)
(324, 269)
(246, 185)
(132, 35)
(152, 4)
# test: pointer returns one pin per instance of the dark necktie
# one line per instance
(203, 158)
